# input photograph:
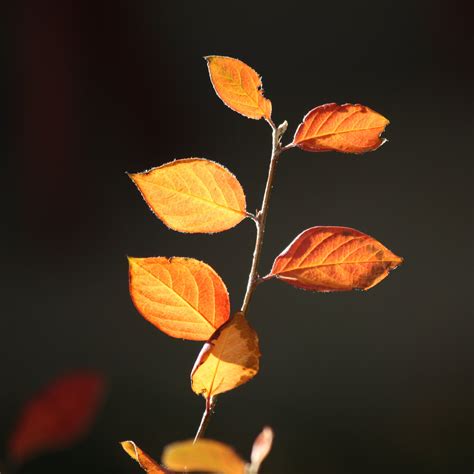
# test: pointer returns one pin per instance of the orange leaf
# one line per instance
(239, 87)
(147, 463)
(204, 455)
(182, 297)
(347, 128)
(57, 416)
(230, 358)
(261, 448)
(334, 259)
(193, 195)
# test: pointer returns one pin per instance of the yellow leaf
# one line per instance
(193, 195)
(230, 358)
(182, 297)
(204, 455)
(239, 87)
(143, 459)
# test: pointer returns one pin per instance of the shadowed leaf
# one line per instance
(193, 195)
(346, 128)
(334, 259)
(230, 358)
(239, 87)
(183, 297)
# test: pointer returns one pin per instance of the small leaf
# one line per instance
(193, 195)
(239, 87)
(261, 448)
(204, 455)
(57, 416)
(147, 463)
(230, 358)
(182, 297)
(334, 259)
(346, 128)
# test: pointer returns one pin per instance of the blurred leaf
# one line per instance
(261, 448)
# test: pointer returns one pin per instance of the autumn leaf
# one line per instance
(334, 259)
(147, 463)
(56, 416)
(183, 297)
(204, 455)
(230, 358)
(239, 87)
(346, 128)
(193, 195)
(261, 448)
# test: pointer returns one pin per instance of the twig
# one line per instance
(206, 416)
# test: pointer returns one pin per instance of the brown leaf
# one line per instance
(147, 463)
(182, 297)
(193, 195)
(230, 358)
(346, 128)
(334, 259)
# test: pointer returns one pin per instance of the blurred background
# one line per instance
(351, 383)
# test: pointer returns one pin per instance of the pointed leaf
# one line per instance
(334, 259)
(204, 455)
(56, 416)
(239, 87)
(147, 463)
(193, 195)
(230, 358)
(182, 297)
(346, 128)
(261, 448)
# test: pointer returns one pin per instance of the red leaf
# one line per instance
(56, 416)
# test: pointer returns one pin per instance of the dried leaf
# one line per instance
(346, 128)
(334, 259)
(230, 358)
(182, 297)
(147, 463)
(261, 448)
(193, 195)
(56, 416)
(204, 455)
(239, 87)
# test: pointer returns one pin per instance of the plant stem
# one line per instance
(260, 220)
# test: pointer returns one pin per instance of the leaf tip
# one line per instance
(130, 448)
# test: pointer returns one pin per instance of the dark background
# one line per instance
(376, 382)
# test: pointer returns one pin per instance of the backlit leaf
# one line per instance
(193, 195)
(182, 297)
(230, 358)
(334, 259)
(239, 87)
(147, 463)
(261, 448)
(346, 128)
(57, 416)
(204, 455)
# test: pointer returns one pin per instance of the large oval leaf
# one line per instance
(182, 297)
(57, 416)
(334, 259)
(346, 128)
(205, 455)
(193, 195)
(147, 463)
(229, 359)
(239, 87)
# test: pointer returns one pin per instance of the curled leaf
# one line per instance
(334, 259)
(57, 416)
(204, 455)
(348, 128)
(239, 87)
(147, 463)
(193, 195)
(183, 297)
(261, 448)
(230, 358)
